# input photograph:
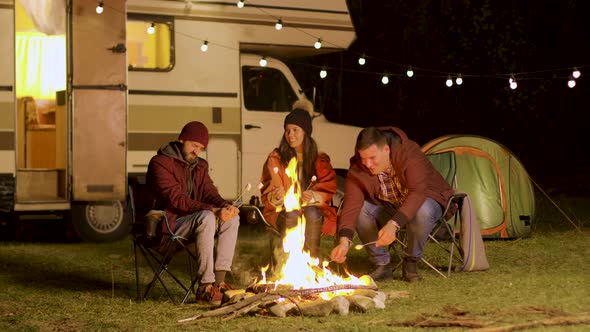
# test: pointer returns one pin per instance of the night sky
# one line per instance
(542, 121)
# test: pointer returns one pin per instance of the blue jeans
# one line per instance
(373, 216)
(202, 226)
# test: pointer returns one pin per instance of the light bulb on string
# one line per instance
(571, 82)
(152, 28)
(385, 79)
(459, 79)
(263, 61)
(323, 73)
(362, 60)
(512, 82)
(410, 72)
(279, 24)
(205, 46)
(240, 4)
(188, 6)
(318, 43)
(576, 73)
(449, 82)
(99, 8)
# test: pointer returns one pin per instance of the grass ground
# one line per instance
(91, 287)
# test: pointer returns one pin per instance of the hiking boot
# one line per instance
(313, 234)
(223, 287)
(211, 294)
(381, 272)
(410, 270)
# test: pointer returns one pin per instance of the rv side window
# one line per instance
(266, 89)
(150, 42)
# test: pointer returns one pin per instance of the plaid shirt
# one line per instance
(391, 189)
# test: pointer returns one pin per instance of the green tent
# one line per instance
(499, 186)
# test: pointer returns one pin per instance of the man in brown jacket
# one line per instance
(180, 183)
(390, 184)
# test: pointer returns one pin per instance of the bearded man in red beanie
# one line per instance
(182, 187)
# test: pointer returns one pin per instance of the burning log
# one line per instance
(287, 291)
(237, 307)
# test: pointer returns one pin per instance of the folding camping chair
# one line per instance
(445, 232)
(457, 231)
(159, 252)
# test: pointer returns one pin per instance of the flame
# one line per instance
(300, 270)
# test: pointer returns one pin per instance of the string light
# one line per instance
(188, 6)
(318, 43)
(205, 46)
(576, 73)
(263, 61)
(99, 8)
(449, 81)
(512, 82)
(571, 82)
(362, 60)
(152, 28)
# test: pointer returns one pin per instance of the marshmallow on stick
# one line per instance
(313, 179)
(246, 189)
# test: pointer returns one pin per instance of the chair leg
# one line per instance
(161, 268)
(139, 298)
(398, 254)
(432, 267)
(158, 274)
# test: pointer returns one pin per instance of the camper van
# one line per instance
(89, 90)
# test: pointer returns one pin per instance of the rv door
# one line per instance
(98, 91)
(267, 96)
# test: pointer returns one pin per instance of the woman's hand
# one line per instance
(278, 193)
(306, 196)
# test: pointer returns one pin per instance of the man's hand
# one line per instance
(306, 196)
(226, 213)
(387, 234)
(339, 252)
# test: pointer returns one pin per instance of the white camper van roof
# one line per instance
(304, 21)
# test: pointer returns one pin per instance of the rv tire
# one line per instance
(101, 221)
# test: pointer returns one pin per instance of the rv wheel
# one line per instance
(100, 221)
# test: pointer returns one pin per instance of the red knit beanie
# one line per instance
(194, 131)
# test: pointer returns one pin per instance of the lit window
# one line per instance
(150, 52)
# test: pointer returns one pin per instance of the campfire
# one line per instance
(301, 284)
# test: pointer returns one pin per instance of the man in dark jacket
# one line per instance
(180, 182)
(390, 184)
